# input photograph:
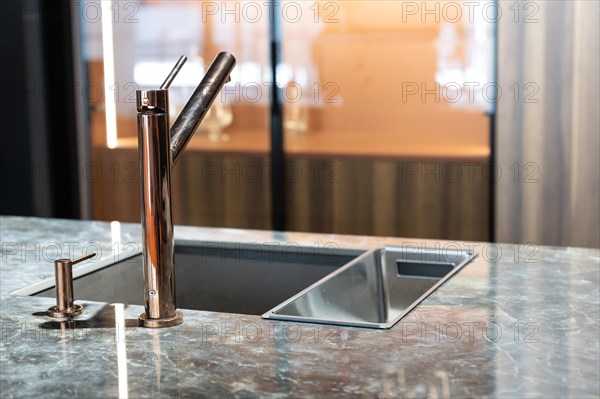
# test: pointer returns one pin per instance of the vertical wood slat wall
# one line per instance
(344, 196)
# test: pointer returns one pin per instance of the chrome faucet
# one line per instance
(159, 149)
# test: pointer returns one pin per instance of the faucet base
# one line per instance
(54, 311)
(147, 322)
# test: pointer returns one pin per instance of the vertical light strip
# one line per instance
(115, 233)
(109, 73)
(121, 350)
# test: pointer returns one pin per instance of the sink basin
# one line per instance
(375, 290)
(329, 286)
(216, 276)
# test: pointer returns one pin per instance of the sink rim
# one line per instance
(273, 315)
(360, 255)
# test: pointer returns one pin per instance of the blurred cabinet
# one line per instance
(348, 195)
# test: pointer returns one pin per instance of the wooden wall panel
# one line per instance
(344, 196)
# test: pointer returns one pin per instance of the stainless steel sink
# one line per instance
(376, 290)
(222, 277)
(336, 286)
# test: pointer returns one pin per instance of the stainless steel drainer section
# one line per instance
(376, 289)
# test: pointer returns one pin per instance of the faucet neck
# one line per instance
(159, 148)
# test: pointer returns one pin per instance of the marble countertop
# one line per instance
(519, 321)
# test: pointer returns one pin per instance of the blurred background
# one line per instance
(438, 119)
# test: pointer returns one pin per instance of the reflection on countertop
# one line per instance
(520, 321)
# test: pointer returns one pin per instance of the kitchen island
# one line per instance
(518, 321)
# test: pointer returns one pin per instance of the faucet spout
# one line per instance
(196, 108)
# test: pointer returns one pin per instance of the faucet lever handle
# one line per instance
(63, 269)
(82, 258)
(173, 73)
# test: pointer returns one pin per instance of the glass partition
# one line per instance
(386, 112)
(385, 120)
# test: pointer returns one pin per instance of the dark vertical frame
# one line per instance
(59, 103)
(276, 121)
(40, 136)
(492, 162)
(492, 181)
(15, 157)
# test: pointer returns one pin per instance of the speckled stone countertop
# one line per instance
(519, 321)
